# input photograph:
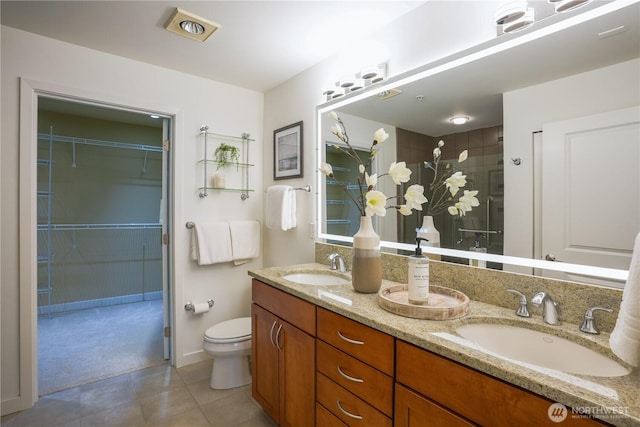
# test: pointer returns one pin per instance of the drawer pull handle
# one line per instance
(349, 340)
(349, 377)
(271, 333)
(278, 337)
(349, 414)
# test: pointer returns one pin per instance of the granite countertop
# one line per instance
(615, 400)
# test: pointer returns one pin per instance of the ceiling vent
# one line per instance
(189, 25)
(386, 94)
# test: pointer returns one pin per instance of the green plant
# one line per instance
(226, 154)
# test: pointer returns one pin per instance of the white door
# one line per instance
(590, 203)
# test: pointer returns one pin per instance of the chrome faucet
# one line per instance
(550, 310)
(337, 262)
(523, 310)
(588, 324)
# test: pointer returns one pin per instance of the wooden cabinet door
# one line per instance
(297, 376)
(264, 361)
(413, 410)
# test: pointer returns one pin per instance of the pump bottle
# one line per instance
(418, 276)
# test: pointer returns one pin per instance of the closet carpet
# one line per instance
(84, 346)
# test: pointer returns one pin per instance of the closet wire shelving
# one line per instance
(45, 287)
(244, 139)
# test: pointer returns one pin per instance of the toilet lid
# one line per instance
(230, 330)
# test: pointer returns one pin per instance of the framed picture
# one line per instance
(287, 152)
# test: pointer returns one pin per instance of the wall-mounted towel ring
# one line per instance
(190, 224)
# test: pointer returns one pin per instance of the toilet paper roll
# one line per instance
(201, 307)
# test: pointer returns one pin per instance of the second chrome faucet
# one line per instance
(550, 309)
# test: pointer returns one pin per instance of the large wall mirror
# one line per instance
(553, 131)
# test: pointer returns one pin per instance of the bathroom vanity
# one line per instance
(338, 359)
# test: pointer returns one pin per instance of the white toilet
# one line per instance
(229, 343)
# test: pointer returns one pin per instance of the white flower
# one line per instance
(414, 197)
(452, 210)
(468, 201)
(404, 210)
(376, 203)
(380, 136)
(333, 115)
(440, 143)
(437, 153)
(336, 130)
(463, 156)
(361, 169)
(371, 180)
(326, 169)
(399, 172)
(455, 182)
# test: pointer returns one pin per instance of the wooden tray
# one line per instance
(444, 303)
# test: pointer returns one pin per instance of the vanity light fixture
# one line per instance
(367, 76)
(459, 120)
(521, 23)
(510, 11)
(567, 5)
(189, 25)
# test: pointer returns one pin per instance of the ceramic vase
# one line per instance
(429, 231)
(366, 266)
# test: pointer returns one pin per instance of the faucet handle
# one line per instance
(588, 324)
(523, 310)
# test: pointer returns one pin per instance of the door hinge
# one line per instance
(166, 145)
(167, 331)
(165, 239)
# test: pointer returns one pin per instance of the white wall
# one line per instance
(526, 110)
(194, 101)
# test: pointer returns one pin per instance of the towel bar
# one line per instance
(306, 189)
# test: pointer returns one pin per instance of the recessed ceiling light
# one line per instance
(521, 23)
(510, 11)
(189, 25)
(459, 120)
(567, 5)
(192, 27)
(386, 94)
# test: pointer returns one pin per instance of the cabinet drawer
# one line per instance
(413, 409)
(350, 409)
(473, 394)
(359, 378)
(294, 310)
(364, 343)
(324, 418)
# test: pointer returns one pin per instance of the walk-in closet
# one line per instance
(100, 263)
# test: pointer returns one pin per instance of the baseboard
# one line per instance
(11, 405)
(193, 357)
(99, 302)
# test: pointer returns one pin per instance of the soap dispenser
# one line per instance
(477, 247)
(418, 276)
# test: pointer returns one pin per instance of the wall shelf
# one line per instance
(243, 164)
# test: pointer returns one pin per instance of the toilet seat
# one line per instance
(229, 331)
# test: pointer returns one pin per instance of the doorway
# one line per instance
(101, 214)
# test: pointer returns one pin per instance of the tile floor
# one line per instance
(157, 396)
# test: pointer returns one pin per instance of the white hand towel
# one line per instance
(211, 243)
(245, 240)
(625, 338)
(280, 207)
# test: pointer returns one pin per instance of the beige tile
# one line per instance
(235, 409)
(62, 408)
(259, 420)
(202, 393)
(196, 372)
(127, 415)
(105, 394)
(191, 418)
(155, 382)
(160, 407)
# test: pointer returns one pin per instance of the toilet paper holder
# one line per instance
(189, 306)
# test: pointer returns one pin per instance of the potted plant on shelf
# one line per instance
(226, 154)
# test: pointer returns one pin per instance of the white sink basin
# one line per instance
(317, 278)
(541, 349)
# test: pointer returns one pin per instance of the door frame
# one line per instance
(30, 90)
